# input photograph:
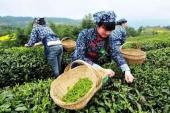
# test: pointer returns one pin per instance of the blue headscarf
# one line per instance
(121, 21)
(104, 16)
(37, 21)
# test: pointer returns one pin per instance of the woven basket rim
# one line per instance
(134, 57)
(68, 44)
(127, 52)
(66, 39)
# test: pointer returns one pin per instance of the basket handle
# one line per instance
(65, 38)
(81, 62)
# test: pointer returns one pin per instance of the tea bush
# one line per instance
(26, 64)
(148, 94)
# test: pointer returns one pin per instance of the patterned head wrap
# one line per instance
(104, 16)
(39, 21)
(121, 21)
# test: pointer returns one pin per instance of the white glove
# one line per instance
(26, 45)
(128, 77)
(38, 43)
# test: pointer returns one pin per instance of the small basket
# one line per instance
(68, 44)
(133, 56)
(60, 85)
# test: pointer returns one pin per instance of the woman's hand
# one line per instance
(110, 72)
(128, 77)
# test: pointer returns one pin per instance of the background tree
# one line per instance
(87, 22)
(132, 32)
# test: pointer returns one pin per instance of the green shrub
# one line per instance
(23, 35)
(149, 92)
(87, 22)
(147, 46)
(30, 97)
(62, 31)
(147, 43)
(22, 64)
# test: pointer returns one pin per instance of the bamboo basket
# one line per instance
(60, 85)
(133, 56)
(68, 44)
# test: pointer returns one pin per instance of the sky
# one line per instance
(77, 9)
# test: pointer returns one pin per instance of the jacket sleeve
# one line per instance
(116, 54)
(124, 35)
(81, 47)
(33, 37)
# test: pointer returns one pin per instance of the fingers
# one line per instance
(129, 78)
(110, 75)
(110, 72)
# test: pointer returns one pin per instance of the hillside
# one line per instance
(22, 21)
